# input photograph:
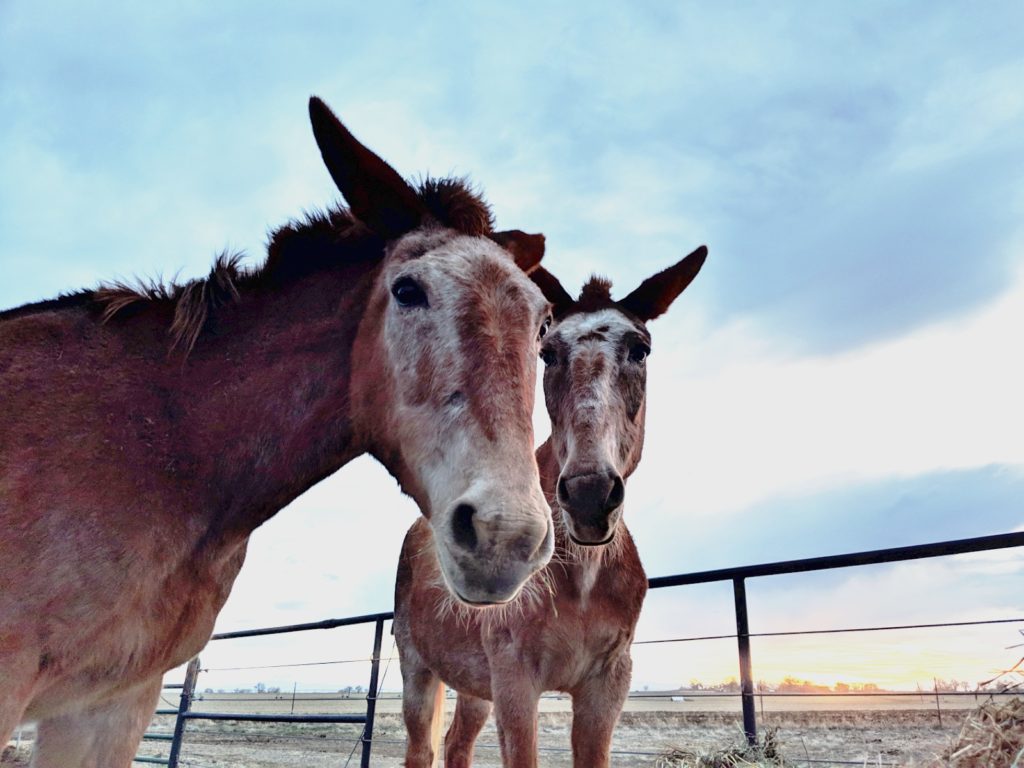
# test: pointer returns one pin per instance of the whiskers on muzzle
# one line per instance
(538, 590)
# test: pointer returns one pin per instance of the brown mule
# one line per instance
(131, 475)
(571, 628)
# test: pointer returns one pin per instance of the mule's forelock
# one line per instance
(456, 204)
(595, 295)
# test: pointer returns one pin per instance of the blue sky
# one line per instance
(841, 375)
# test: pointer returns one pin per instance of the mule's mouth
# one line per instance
(478, 603)
(567, 522)
(592, 543)
(475, 603)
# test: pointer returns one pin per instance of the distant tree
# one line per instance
(208, 690)
(730, 686)
(261, 688)
(696, 685)
(951, 686)
(842, 688)
(793, 685)
(275, 689)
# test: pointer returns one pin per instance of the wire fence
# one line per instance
(747, 693)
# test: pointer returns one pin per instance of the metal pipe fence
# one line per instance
(738, 576)
(185, 713)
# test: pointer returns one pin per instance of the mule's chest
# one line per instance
(574, 643)
(594, 645)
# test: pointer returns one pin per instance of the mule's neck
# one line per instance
(263, 401)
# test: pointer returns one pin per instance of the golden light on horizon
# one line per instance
(892, 660)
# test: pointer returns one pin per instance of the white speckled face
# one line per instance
(595, 390)
(461, 334)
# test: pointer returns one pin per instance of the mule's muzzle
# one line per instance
(489, 557)
(592, 503)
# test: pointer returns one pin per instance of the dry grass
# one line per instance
(764, 755)
(992, 735)
(14, 758)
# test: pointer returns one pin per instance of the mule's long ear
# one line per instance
(553, 291)
(377, 195)
(527, 250)
(656, 294)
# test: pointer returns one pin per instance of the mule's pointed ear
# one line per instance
(553, 291)
(656, 294)
(377, 195)
(527, 250)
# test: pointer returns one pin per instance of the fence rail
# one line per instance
(186, 713)
(738, 576)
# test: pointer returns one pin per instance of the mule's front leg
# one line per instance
(515, 711)
(105, 736)
(596, 705)
(423, 712)
(470, 715)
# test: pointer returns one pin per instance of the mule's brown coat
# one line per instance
(131, 479)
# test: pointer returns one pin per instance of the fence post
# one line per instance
(746, 675)
(371, 695)
(184, 705)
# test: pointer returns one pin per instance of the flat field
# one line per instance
(893, 730)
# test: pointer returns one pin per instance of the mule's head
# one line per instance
(444, 365)
(595, 387)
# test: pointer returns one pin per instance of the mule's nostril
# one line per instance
(462, 526)
(617, 494)
(563, 491)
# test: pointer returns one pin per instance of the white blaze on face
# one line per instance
(595, 391)
(461, 336)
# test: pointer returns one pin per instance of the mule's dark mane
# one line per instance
(319, 241)
(82, 298)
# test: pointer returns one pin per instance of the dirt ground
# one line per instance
(877, 731)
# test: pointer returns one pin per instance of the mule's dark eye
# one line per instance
(549, 357)
(639, 352)
(544, 327)
(408, 293)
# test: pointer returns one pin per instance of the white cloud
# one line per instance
(734, 422)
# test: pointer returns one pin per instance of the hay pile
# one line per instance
(992, 737)
(764, 755)
(10, 757)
